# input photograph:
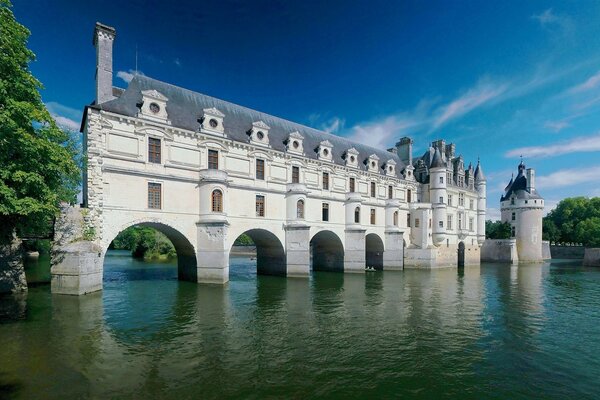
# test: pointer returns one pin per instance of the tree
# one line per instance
(550, 231)
(497, 230)
(575, 219)
(38, 160)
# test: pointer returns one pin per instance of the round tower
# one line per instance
(523, 208)
(480, 186)
(438, 196)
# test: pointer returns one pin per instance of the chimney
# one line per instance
(404, 150)
(103, 42)
(530, 179)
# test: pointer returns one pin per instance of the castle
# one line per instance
(522, 207)
(204, 171)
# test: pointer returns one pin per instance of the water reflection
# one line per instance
(490, 332)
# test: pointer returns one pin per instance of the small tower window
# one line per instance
(512, 231)
(260, 169)
(409, 196)
(154, 195)
(154, 155)
(408, 220)
(441, 199)
(357, 215)
(390, 192)
(295, 174)
(514, 216)
(352, 185)
(441, 224)
(372, 216)
(441, 179)
(300, 209)
(325, 181)
(260, 205)
(417, 222)
(449, 222)
(471, 224)
(325, 212)
(395, 218)
(372, 189)
(213, 159)
(512, 201)
(217, 201)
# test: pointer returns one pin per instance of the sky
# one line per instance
(498, 79)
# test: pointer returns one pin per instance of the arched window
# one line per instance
(217, 201)
(357, 215)
(300, 209)
(395, 218)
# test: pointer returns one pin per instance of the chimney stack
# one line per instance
(103, 42)
(530, 180)
(404, 150)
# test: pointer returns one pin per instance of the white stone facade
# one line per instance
(300, 208)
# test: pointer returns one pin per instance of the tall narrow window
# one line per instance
(512, 200)
(417, 222)
(372, 216)
(471, 204)
(449, 224)
(512, 231)
(390, 192)
(213, 159)
(409, 196)
(395, 218)
(154, 150)
(441, 179)
(325, 215)
(372, 189)
(260, 206)
(260, 169)
(357, 215)
(460, 221)
(450, 200)
(325, 180)
(408, 220)
(471, 224)
(514, 216)
(441, 199)
(154, 195)
(217, 201)
(441, 224)
(352, 185)
(295, 174)
(300, 209)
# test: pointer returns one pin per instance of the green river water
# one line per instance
(491, 332)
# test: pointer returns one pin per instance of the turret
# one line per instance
(104, 37)
(438, 196)
(480, 186)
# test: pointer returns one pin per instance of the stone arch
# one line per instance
(270, 253)
(187, 265)
(374, 251)
(326, 252)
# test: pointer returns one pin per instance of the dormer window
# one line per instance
(390, 167)
(294, 143)
(325, 151)
(372, 163)
(212, 121)
(154, 106)
(351, 157)
(259, 133)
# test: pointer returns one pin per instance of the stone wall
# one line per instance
(592, 257)
(546, 254)
(568, 252)
(12, 273)
(499, 250)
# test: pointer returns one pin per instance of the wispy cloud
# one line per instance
(177, 62)
(492, 213)
(127, 76)
(66, 117)
(546, 17)
(334, 125)
(591, 83)
(568, 177)
(473, 98)
(556, 126)
(581, 144)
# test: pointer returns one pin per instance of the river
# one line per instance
(494, 332)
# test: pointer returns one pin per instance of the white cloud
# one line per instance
(65, 117)
(177, 62)
(547, 17)
(127, 76)
(581, 144)
(475, 97)
(333, 125)
(556, 126)
(492, 213)
(568, 177)
(591, 83)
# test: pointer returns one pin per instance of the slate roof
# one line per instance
(518, 186)
(184, 108)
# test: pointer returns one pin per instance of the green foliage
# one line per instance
(550, 231)
(38, 162)
(144, 242)
(41, 245)
(243, 240)
(577, 220)
(497, 230)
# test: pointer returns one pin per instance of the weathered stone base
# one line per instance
(546, 255)
(77, 269)
(393, 256)
(592, 257)
(297, 245)
(500, 251)
(354, 253)
(440, 257)
(12, 272)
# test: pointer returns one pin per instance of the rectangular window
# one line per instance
(441, 223)
(352, 185)
(154, 150)
(417, 222)
(260, 206)
(471, 224)
(325, 181)
(260, 169)
(512, 231)
(441, 179)
(325, 215)
(295, 174)
(154, 200)
(448, 178)
(372, 189)
(408, 220)
(460, 221)
(449, 222)
(471, 204)
(450, 200)
(441, 199)
(390, 192)
(461, 199)
(513, 216)
(213, 159)
(372, 216)
(409, 196)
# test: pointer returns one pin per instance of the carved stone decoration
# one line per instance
(212, 121)
(390, 167)
(372, 163)
(325, 151)
(154, 106)
(259, 133)
(351, 157)
(294, 143)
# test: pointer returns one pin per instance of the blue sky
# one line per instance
(499, 79)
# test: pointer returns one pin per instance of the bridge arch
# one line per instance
(187, 264)
(374, 251)
(270, 253)
(326, 252)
